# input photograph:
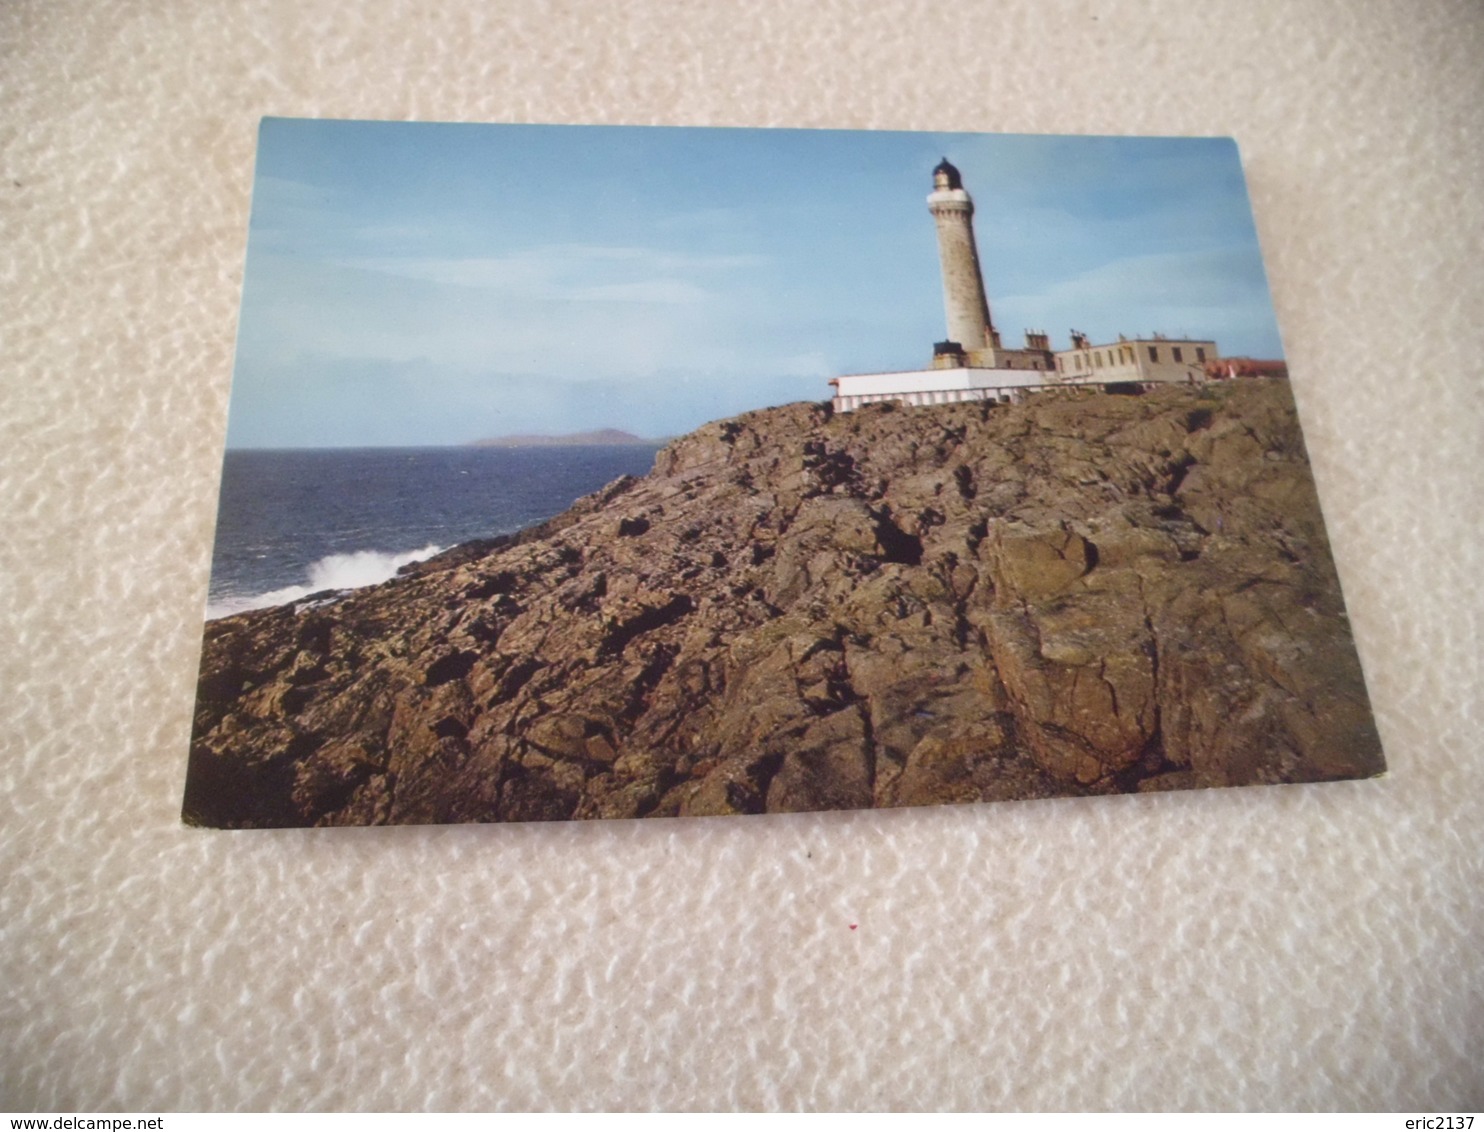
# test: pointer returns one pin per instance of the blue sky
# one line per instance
(423, 284)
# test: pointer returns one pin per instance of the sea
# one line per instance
(295, 522)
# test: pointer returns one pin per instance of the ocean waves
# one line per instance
(333, 572)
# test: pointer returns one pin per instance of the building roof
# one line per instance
(955, 179)
(1153, 340)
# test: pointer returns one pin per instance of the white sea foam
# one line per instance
(333, 572)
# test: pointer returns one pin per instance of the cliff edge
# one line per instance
(1083, 593)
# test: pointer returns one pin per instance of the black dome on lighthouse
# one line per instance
(949, 170)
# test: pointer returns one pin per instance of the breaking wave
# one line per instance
(333, 572)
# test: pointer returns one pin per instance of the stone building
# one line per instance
(973, 364)
(1136, 359)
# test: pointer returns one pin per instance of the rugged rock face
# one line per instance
(1084, 593)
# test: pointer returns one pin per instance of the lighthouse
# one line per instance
(973, 365)
(964, 303)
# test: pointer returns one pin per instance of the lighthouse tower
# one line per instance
(963, 285)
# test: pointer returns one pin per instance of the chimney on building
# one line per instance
(948, 355)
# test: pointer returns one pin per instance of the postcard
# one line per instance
(600, 472)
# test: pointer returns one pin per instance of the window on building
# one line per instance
(1097, 359)
(1200, 353)
(1154, 353)
(1178, 358)
(1059, 367)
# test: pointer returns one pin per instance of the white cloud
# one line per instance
(559, 310)
(1206, 294)
(270, 191)
(670, 292)
(561, 271)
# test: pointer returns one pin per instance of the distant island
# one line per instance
(602, 437)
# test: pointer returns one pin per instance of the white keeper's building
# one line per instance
(936, 386)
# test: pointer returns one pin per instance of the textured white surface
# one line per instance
(1283, 947)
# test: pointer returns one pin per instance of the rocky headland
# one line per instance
(1084, 593)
